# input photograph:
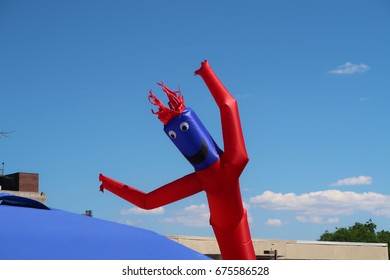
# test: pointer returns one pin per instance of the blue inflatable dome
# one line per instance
(31, 231)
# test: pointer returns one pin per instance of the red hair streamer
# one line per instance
(175, 103)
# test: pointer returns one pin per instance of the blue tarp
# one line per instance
(36, 232)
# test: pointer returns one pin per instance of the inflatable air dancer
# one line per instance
(216, 171)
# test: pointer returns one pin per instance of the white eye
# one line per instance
(172, 134)
(184, 126)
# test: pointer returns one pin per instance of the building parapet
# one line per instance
(294, 249)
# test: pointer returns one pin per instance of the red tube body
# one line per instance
(220, 181)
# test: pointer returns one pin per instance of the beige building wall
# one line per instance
(38, 196)
(294, 250)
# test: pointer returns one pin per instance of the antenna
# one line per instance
(2, 169)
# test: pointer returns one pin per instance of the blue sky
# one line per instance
(311, 79)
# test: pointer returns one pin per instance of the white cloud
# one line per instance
(311, 219)
(202, 208)
(317, 219)
(246, 205)
(139, 211)
(249, 215)
(383, 212)
(192, 216)
(324, 206)
(334, 220)
(197, 216)
(273, 222)
(350, 68)
(352, 181)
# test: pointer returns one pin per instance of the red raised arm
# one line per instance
(176, 190)
(234, 145)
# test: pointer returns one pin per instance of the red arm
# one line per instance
(176, 190)
(234, 145)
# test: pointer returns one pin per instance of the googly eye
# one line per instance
(184, 126)
(172, 134)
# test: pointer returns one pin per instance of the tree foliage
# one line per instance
(358, 233)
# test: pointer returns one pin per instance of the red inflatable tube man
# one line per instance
(216, 172)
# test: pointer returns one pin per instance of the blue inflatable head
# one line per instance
(185, 129)
(193, 140)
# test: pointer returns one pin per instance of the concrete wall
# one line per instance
(337, 251)
(22, 184)
(294, 250)
(38, 196)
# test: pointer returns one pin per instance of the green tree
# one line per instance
(384, 237)
(358, 233)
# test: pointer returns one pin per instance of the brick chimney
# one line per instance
(22, 182)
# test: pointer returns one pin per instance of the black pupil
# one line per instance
(184, 128)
